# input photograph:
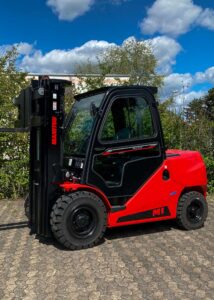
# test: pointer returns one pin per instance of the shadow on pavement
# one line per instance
(120, 232)
(139, 229)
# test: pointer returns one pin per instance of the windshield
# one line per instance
(79, 129)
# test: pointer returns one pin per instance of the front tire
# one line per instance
(192, 211)
(78, 220)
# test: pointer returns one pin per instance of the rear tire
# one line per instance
(192, 211)
(78, 220)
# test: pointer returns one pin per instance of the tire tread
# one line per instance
(181, 221)
(56, 218)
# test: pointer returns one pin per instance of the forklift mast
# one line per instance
(46, 153)
(41, 113)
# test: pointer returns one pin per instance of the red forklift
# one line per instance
(104, 164)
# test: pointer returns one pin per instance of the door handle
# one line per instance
(166, 175)
(129, 149)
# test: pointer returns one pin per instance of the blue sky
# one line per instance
(54, 35)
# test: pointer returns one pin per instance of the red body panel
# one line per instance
(71, 186)
(187, 171)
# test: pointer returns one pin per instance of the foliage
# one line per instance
(210, 171)
(70, 93)
(11, 82)
(14, 165)
(192, 128)
(172, 124)
(200, 116)
(134, 59)
(13, 147)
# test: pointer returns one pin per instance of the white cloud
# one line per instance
(181, 86)
(63, 61)
(4, 48)
(206, 19)
(168, 17)
(176, 84)
(171, 18)
(184, 99)
(207, 76)
(165, 49)
(70, 9)
(22, 48)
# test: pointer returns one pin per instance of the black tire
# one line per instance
(27, 207)
(78, 220)
(192, 211)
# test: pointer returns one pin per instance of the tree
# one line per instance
(13, 147)
(11, 83)
(199, 115)
(134, 59)
(200, 135)
(209, 104)
(172, 123)
(203, 106)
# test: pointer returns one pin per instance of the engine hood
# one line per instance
(186, 167)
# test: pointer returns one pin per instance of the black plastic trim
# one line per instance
(172, 155)
(117, 208)
(149, 214)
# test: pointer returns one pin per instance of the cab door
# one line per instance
(127, 147)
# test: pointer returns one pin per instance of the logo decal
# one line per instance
(158, 212)
(148, 214)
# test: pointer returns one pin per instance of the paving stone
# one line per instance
(150, 261)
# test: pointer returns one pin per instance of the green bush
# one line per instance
(209, 161)
(13, 147)
(14, 164)
(14, 179)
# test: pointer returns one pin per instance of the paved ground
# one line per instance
(153, 261)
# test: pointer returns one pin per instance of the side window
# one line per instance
(128, 118)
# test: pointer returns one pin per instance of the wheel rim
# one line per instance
(195, 211)
(82, 221)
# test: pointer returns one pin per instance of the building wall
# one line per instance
(109, 80)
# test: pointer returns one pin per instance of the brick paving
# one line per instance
(150, 261)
